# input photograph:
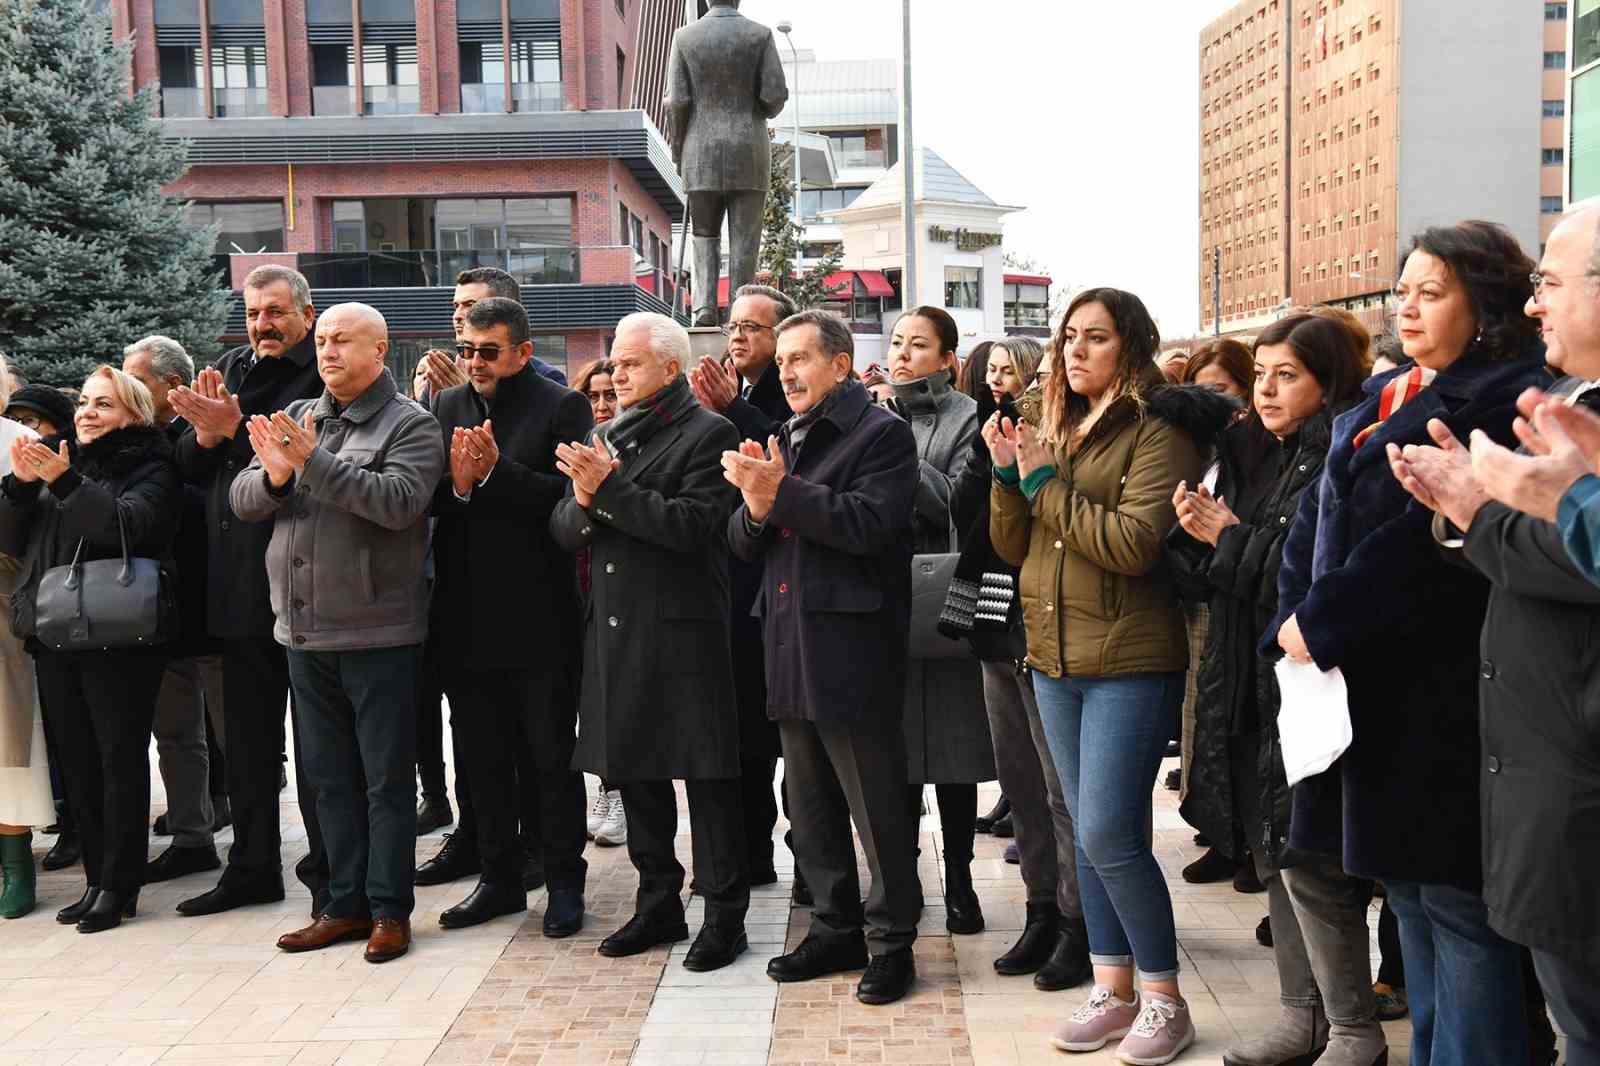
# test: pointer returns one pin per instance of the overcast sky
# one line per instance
(1085, 112)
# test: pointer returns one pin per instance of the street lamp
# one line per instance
(785, 27)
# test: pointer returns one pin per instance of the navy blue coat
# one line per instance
(836, 594)
(1375, 597)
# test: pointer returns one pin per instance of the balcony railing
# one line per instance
(490, 97)
(432, 267)
(333, 99)
(390, 100)
(183, 103)
(240, 103)
(855, 160)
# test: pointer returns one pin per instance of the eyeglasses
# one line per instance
(736, 328)
(27, 418)
(488, 352)
(608, 395)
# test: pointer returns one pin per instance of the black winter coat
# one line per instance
(504, 591)
(128, 473)
(757, 417)
(836, 595)
(657, 696)
(238, 604)
(1375, 597)
(1237, 693)
(190, 552)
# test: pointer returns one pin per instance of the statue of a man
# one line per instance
(724, 81)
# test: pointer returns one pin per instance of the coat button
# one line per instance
(783, 588)
(1486, 670)
(225, 525)
(230, 464)
(612, 622)
(1494, 765)
(298, 563)
(1283, 520)
(299, 640)
(1302, 468)
(299, 605)
(611, 568)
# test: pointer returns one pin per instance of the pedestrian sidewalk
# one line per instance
(215, 990)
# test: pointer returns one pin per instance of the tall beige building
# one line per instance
(1332, 129)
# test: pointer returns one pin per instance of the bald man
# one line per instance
(346, 480)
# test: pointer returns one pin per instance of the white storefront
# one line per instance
(958, 249)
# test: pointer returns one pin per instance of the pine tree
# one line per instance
(93, 254)
(780, 239)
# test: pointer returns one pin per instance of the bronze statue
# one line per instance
(724, 81)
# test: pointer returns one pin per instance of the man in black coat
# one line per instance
(505, 613)
(829, 508)
(649, 501)
(751, 397)
(276, 368)
(1540, 768)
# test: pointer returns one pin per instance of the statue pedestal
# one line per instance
(706, 340)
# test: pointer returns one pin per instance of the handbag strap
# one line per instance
(125, 577)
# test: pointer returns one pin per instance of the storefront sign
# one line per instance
(965, 240)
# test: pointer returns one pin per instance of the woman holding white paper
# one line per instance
(1226, 552)
(1363, 588)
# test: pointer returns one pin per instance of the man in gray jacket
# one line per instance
(347, 480)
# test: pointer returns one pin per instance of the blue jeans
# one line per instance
(1569, 988)
(1107, 736)
(1463, 980)
(357, 711)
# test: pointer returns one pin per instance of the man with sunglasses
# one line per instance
(505, 612)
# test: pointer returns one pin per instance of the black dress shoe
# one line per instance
(456, 858)
(1245, 880)
(179, 861)
(71, 914)
(563, 913)
(641, 934)
(1002, 827)
(1201, 840)
(66, 851)
(1209, 868)
(715, 948)
(962, 913)
(800, 893)
(487, 901)
(766, 875)
(228, 895)
(985, 823)
(888, 978)
(1032, 949)
(108, 911)
(533, 874)
(283, 777)
(818, 957)
(162, 827)
(1174, 749)
(1174, 780)
(1264, 931)
(1068, 965)
(433, 813)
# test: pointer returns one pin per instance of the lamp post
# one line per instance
(785, 27)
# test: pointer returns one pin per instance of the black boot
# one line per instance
(67, 850)
(456, 858)
(70, 914)
(1032, 949)
(963, 914)
(1209, 868)
(985, 822)
(433, 813)
(108, 911)
(1068, 966)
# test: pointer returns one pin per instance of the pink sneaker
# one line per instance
(1160, 1034)
(1102, 1019)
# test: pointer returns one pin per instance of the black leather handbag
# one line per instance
(105, 603)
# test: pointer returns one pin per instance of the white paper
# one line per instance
(1313, 718)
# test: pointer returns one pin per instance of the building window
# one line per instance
(815, 201)
(243, 227)
(1555, 109)
(182, 82)
(1555, 61)
(963, 287)
(622, 66)
(389, 77)
(1550, 205)
(1555, 12)
(535, 75)
(1553, 157)
(530, 238)
(624, 225)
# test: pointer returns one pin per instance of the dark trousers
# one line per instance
(515, 733)
(102, 705)
(189, 688)
(1570, 990)
(356, 712)
(760, 811)
(834, 773)
(255, 687)
(430, 730)
(716, 832)
(958, 819)
(1391, 962)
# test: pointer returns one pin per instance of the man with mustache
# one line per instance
(276, 368)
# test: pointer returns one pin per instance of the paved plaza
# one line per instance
(215, 990)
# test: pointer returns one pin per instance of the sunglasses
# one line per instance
(488, 352)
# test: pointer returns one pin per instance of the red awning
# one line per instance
(722, 292)
(876, 283)
(1027, 279)
(840, 283)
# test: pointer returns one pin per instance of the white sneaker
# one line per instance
(613, 830)
(597, 813)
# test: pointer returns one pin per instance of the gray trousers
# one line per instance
(189, 688)
(1321, 941)
(744, 210)
(1028, 778)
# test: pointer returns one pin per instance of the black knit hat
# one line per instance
(51, 403)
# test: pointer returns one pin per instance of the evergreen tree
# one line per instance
(780, 239)
(93, 254)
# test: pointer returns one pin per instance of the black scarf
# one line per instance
(801, 424)
(628, 433)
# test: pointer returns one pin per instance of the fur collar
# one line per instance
(1201, 412)
(122, 451)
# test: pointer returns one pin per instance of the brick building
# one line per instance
(381, 146)
(1331, 130)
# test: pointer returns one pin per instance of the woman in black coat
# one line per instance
(1364, 588)
(101, 703)
(1226, 553)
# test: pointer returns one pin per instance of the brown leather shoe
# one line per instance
(325, 931)
(391, 938)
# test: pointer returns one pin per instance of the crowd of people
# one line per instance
(1039, 564)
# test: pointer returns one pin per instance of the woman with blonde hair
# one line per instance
(80, 501)
(25, 799)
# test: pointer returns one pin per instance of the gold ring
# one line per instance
(475, 455)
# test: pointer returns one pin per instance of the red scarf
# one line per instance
(1401, 390)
